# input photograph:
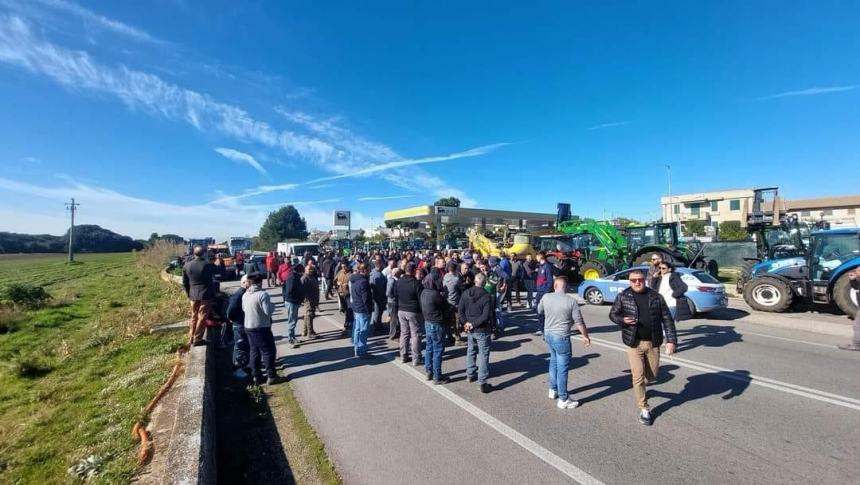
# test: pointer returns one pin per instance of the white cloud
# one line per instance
(609, 125)
(320, 186)
(238, 156)
(31, 159)
(811, 92)
(386, 197)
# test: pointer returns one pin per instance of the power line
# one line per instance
(72, 207)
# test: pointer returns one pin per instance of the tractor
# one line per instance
(597, 248)
(820, 276)
(662, 238)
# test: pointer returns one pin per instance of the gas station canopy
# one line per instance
(471, 217)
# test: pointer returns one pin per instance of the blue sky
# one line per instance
(198, 118)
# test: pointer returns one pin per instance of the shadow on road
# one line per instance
(707, 336)
(728, 384)
(527, 366)
(727, 314)
(617, 384)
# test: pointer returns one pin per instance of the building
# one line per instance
(838, 211)
(733, 205)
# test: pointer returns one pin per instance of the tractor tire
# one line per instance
(593, 270)
(846, 298)
(746, 273)
(767, 294)
(594, 296)
(713, 268)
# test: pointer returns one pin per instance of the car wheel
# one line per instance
(768, 294)
(594, 296)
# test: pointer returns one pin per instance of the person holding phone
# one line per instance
(644, 319)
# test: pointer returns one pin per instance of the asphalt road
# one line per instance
(741, 402)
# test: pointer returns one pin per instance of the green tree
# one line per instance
(695, 228)
(448, 202)
(732, 231)
(282, 224)
(153, 237)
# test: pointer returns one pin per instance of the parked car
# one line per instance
(704, 292)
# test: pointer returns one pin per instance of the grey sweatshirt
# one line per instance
(561, 313)
(258, 308)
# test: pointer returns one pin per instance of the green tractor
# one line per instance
(600, 248)
(662, 238)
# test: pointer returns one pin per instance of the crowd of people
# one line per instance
(435, 299)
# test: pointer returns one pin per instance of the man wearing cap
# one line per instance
(199, 283)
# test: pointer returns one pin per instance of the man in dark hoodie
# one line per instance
(327, 267)
(434, 308)
(406, 292)
(475, 311)
(237, 318)
(362, 305)
(378, 284)
(294, 295)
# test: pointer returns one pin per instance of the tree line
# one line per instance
(88, 239)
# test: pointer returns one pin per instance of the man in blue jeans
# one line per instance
(560, 312)
(362, 306)
(237, 318)
(433, 307)
(475, 310)
(294, 296)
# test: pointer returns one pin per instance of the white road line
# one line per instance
(805, 342)
(786, 387)
(572, 471)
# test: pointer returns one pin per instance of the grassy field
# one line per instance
(76, 374)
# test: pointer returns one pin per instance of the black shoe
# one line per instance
(366, 356)
(295, 344)
(441, 380)
(854, 347)
(418, 363)
(200, 343)
(271, 381)
(429, 376)
(485, 388)
(258, 380)
(471, 378)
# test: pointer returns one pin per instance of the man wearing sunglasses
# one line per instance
(654, 270)
(644, 318)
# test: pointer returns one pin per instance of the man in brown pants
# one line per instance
(198, 281)
(644, 318)
(311, 285)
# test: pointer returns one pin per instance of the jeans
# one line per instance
(324, 283)
(393, 322)
(559, 363)
(500, 321)
(479, 345)
(359, 333)
(435, 346)
(292, 310)
(376, 318)
(530, 289)
(410, 334)
(262, 344)
(240, 346)
(350, 316)
(541, 319)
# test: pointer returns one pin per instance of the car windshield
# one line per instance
(831, 251)
(705, 277)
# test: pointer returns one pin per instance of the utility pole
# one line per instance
(72, 207)
(671, 205)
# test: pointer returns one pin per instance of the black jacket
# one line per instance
(407, 291)
(433, 306)
(475, 304)
(293, 290)
(234, 307)
(359, 292)
(679, 288)
(311, 288)
(198, 279)
(625, 306)
(378, 285)
(327, 268)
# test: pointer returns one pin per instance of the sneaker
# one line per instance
(849, 347)
(538, 333)
(271, 381)
(471, 378)
(429, 376)
(566, 404)
(486, 387)
(645, 417)
(417, 363)
(553, 394)
(441, 380)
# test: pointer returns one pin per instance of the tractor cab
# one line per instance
(661, 234)
(833, 254)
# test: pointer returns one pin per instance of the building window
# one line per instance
(828, 212)
(714, 206)
(804, 214)
(677, 209)
(735, 205)
(694, 208)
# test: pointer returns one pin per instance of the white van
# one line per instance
(299, 249)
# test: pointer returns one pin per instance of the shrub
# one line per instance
(31, 367)
(732, 231)
(26, 295)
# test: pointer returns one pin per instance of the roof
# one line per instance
(823, 202)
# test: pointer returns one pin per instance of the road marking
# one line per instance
(572, 471)
(790, 340)
(767, 382)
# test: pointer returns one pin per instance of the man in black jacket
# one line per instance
(644, 318)
(199, 283)
(434, 308)
(237, 318)
(475, 313)
(327, 267)
(406, 293)
(362, 306)
(294, 295)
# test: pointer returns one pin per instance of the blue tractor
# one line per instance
(821, 276)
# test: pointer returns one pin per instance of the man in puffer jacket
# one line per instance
(475, 310)
(643, 317)
(434, 308)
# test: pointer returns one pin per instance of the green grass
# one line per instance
(75, 375)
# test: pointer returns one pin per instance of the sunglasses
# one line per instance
(637, 280)
(664, 267)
